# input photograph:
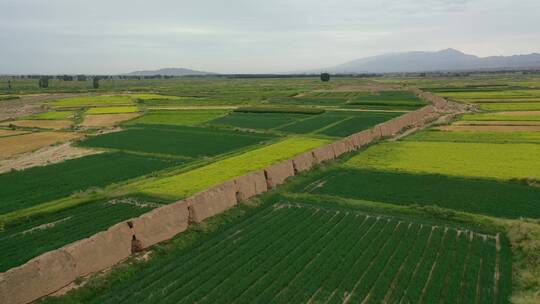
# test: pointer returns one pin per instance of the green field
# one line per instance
(501, 161)
(53, 115)
(185, 184)
(388, 99)
(296, 253)
(22, 240)
(103, 100)
(357, 122)
(261, 121)
(500, 117)
(488, 197)
(507, 106)
(322, 101)
(112, 110)
(177, 140)
(38, 185)
(178, 117)
(312, 124)
(475, 137)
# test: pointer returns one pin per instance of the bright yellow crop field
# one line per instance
(501, 161)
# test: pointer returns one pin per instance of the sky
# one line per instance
(250, 36)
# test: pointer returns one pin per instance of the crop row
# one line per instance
(296, 253)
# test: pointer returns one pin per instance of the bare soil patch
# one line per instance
(106, 120)
(496, 123)
(13, 145)
(44, 156)
(493, 128)
(4, 133)
(43, 124)
(29, 104)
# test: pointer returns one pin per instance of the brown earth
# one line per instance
(491, 128)
(29, 104)
(496, 123)
(13, 145)
(44, 156)
(4, 133)
(106, 120)
(43, 124)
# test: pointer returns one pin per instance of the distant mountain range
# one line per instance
(445, 60)
(170, 72)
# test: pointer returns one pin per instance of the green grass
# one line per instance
(38, 185)
(325, 101)
(293, 110)
(475, 137)
(178, 117)
(187, 183)
(8, 97)
(294, 253)
(53, 115)
(261, 121)
(487, 197)
(501, 161)
(177, 140)
(112, 110)
(313, 124)
(389, 99)
(22, 240)
(357, 122)
(499, 117)
(507, 106)
(103, 100)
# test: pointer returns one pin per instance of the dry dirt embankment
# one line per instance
(56, 269)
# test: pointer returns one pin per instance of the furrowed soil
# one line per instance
(42, 124)
(106, 120)
(13, 145)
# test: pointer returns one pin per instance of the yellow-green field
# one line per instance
(53, 115)
(112, 110)
(190, 182)
(102, 100)
(487, 160)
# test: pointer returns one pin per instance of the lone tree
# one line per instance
(325, 77)
(96, 82)
(44, 82)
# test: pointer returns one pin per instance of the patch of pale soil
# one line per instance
(43, 124)
(13, 145)
(106, 120)
(496, 123)
(45, 226)
(490, 128)
(44, 156)
(29, 104)
(11, 132)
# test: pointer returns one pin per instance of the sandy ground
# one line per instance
(11, 132)
(106, 120)
(493, 128)
(496, 123)
(13, 145)
(29, 104)
(43, 124)
(44, 156)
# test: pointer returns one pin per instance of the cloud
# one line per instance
(66, 36)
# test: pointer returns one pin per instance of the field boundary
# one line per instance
(53, 270)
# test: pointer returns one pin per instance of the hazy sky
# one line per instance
(231, 36)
